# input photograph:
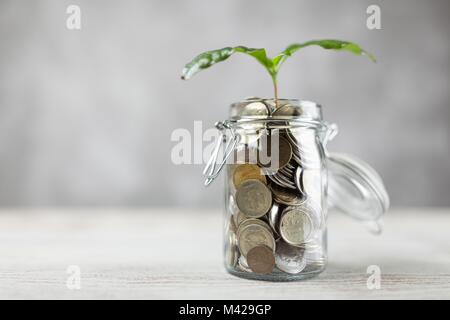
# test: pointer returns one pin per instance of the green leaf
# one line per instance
(208, 58)
(325, 44)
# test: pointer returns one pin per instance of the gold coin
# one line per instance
(245, 172)
(261, 259)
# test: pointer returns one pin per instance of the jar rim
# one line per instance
(284, 109)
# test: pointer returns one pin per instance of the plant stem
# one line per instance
(275, 89)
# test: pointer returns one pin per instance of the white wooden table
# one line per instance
(176, 254)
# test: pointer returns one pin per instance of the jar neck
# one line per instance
(268, 109)
(275, 123)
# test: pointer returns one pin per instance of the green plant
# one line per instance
(272, 65)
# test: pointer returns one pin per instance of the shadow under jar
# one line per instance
(278, 177)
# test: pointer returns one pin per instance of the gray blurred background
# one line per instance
(86, 115)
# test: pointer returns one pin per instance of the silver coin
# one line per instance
(298, 180)
(286, 182)
(231, 252)
(282, 180)
(287, 174)
(231, 204)
(287, 196)
(265, 219)
(243, 265)
(231, 225)
(296, 225)
(296, 153)
(274, 216)
(253, 198)
(291, 166)
(250, 221)
(288, 258)
(254, 99)
(287, 170)
(283, 177)
(305, 147)
(254, 235)
(257, 109)
(273, 177)
(297, 159)
(239, 217)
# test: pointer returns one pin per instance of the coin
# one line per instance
(291, 166)
(253, 198)
(257, 109)
(275, 104)
(286, 180)
(308, 148)
(265, 219)
(296, 226)
(286, 170)
(270, 104)
(239, 217)
(231, 225)
(231, 254)
(274, 151)
(253, 99)
(231, 205)
(298, 180)
(296, 153)
(254, 235)
(274, 215)
(253, 107)
(250, 221)
(245, 172)
(281, 180)
(287, 111)
(243, 265)
(286, 196)
(288, 258)
(261, 260)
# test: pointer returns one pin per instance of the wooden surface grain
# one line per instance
(177, 254)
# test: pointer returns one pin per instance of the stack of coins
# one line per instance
(275, 212)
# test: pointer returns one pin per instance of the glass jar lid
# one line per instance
(355, 189)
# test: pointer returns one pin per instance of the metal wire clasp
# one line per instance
(212, 168)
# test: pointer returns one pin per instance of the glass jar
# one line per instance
(280, 182)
